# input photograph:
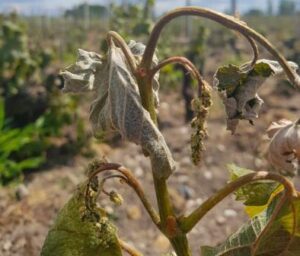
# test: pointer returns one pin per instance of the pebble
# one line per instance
(258, 162)
(109, 209)
(220, 220)
(22, 192)
(186, 191)
(208, 175)
(192, 204)
(221, 147)
(230, 213)
(7, 245)
(183, 178)
(162, 243)
(134, 212)
(185, 161)
(183, 130)
(138, 172)
(209, 160)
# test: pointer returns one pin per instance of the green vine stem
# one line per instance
(225, 20)
(189, 222)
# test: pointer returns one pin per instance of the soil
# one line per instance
(25, 220)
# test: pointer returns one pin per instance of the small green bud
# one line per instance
(116, 198)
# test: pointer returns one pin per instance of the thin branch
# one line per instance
(115, 176)
(133, 183)
(102, 168)
(129, 249)
(225, 20)
(114, 36)
(255, 50)
(187, 223)
(184, 62)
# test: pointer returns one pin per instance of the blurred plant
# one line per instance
(32, 100)
(133, 20)
(126, 84)
(12, 141)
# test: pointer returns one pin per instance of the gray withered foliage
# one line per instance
(117, 107)
(238, 88)
(80, 77)
(284, 148)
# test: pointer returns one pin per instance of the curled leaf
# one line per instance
(284, 148)
(238, 88)
(256, 193)
(118, 106)
(79, 231)
(281, 237)
(80, 77)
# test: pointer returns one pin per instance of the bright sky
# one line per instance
(51, 7)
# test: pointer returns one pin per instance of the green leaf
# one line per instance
(281, 238)
(262, 69)
(230, 78)
(256, 193)
(30, 163)
(2, 113)
(80, 232)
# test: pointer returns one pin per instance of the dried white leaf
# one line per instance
(238, 87)
(284, 148)
(80, 76)
(118, 106)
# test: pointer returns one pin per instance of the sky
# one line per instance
(54, 7)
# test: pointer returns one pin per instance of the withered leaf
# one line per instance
(284, 148)
(78, 231)
(118, 106)
(238, 88)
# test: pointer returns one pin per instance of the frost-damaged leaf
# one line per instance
(78, 231)
(118, 106)
(256, 193)
(238, 88)
(281, 238)
(80, 77)
(284, 148)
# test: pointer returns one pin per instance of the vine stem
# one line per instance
(225, 20)
(187, 223)
(129, 249)
(255, 50)
(132, 182)
(184, 62)
(115, 37)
